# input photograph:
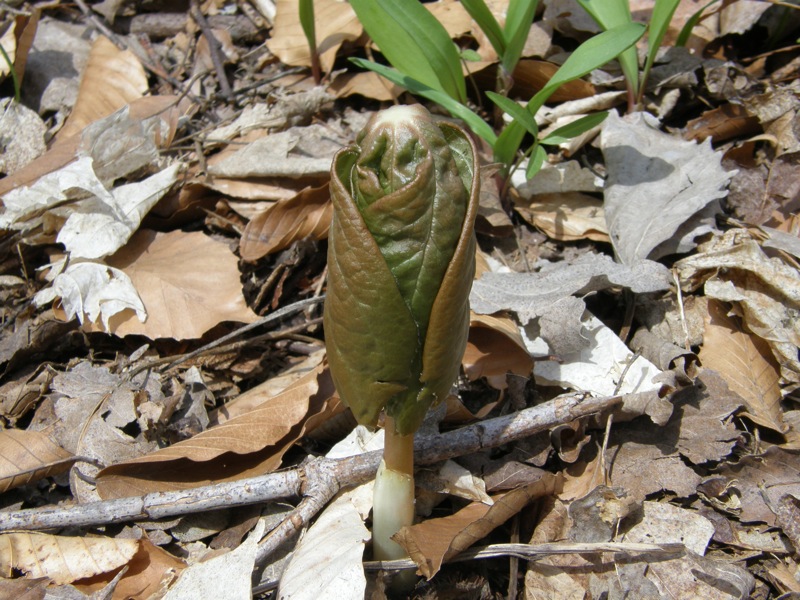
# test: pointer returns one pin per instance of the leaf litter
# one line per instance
(153, 215)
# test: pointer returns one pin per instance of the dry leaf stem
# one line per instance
(316, 481)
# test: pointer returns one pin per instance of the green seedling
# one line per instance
(14, 77)
(306, 14)
(401, 258)
(592, 54)
(615, 13)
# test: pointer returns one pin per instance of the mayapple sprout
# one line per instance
(401, 258)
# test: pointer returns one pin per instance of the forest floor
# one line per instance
(626, 423)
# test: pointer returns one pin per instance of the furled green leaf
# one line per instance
(536, 161)
(416, 44)
(400, 264)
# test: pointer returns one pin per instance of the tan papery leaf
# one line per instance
(188, 283)
(245, 446)
(746, 363)
(335, 22)
(434, 541)
(308, 214)
(63, 559)
(28, 456)
(494, 349)
(112, 79)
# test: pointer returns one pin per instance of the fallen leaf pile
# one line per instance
(164, 212)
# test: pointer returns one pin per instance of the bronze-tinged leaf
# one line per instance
(434, 541)
(308, 214)
(27, 456)
(365, 315)
(63, 559)
(248, 445)
(746, 363)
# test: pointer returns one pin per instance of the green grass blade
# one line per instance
(686, 31)
(518, 23)
(458, 110)
(574, 129)
(517, 112)
(536, 161)
(610, 14)
(416, 44)
(592, 54)
(659, 22)
(478, 10)
(306, 10)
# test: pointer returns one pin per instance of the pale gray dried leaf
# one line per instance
(531, 294)
(782, 241)
(22, 134)
(560, 326)
(656, 182)
(564, 177)
(297, 152)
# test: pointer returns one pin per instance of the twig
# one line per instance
(215, 49)
(265, 320)
(308, 480)
(535, 552)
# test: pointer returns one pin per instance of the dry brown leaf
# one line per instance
(248, 445)
(306, 215)
(567, 217)
(27, 456)
(530, 76)
(367, 83)
(188, 283)
(335, 22)
(63, 559)
(112, 79)
(434, 541)
(746, 363)
(494, 349)
(145, 574)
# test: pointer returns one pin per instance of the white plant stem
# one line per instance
(393, 499)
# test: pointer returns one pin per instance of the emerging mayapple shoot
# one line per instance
(401, 258)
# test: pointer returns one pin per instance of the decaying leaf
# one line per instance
(656, 183)
(306, 215)
(567, 217)
(432, 542)
(63, 559)
(494, 349)
(250, 444)
(530, 294)
(94, 293)
(733, 268)
(27, 456)
(598, 368)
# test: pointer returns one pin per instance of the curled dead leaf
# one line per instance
(308, 214)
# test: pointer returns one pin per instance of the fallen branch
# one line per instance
(316, 481)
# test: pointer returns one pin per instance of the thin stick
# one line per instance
(306, 480)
